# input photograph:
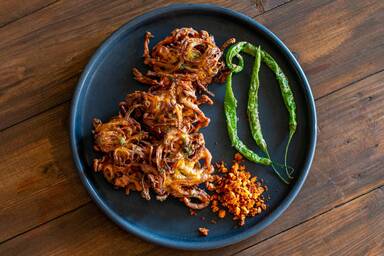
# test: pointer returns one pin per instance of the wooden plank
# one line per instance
(65, 236)
(38, 178)
(45, 52)
(347, 165)
(11, 10)
(332, 57)
(356, 228)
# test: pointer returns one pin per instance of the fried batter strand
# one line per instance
(187, 55)
(155, 143)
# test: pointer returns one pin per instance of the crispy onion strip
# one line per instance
(154, 144)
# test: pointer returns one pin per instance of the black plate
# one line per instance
(108, 78)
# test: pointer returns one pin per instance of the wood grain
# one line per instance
(343, 48)
(356, 228)
(11, 10)
(66, 236)
(347, 165)
(38, 178)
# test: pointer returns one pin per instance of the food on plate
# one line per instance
(154, 143)
(187, 55)
(230, 105)
(203, 231)
(174, 105)
(238, 192)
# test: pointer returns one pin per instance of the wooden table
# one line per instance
(44, 45)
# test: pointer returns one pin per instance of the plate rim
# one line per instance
(158, 239)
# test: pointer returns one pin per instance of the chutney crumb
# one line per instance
(203, 231)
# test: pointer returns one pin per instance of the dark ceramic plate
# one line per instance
(108, 78)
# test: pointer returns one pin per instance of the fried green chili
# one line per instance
(288, 99)
(252, 108)
(253, 111)
(286, 91)
(253, 105)
(230, 105)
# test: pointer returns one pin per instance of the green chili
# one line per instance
(252, 108)
(230, 105)
(288, 99)
(285, 90)
(234, 51)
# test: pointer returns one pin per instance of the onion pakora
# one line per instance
(154, 144)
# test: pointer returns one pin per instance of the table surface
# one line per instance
(45, 44)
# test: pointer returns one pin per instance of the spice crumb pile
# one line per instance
(237, 191)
